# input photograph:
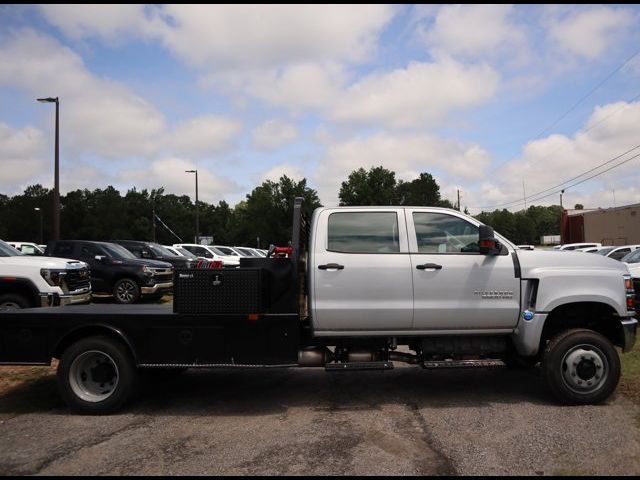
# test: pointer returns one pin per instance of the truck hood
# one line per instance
(140, 262)
(42, 262)
(532, 260)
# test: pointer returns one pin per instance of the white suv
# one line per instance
(27, 281)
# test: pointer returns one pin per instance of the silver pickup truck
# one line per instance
(451, 288)
(358, 288)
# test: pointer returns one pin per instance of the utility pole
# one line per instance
(524, 195)
(197, 215)
(458, 199)
(56, 175)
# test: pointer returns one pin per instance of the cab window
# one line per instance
(363, 232)
(442, 233)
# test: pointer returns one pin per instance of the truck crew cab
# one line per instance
(356, 283)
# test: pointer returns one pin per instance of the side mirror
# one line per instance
(487, 243)
(146, 254)
(100, 258)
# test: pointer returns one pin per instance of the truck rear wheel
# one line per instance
(581, 367)
(96, 375)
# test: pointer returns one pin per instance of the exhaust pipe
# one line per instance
(314, 357)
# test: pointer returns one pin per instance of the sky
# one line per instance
(499, 102)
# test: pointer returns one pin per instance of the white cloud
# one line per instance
(273, 134)
(219, 36)
(588, 33)
(107, 21)
(22, 154)
(419, 95)
(547, 162)
(406, 154)
(97, 115)
(205, 135)
(471, 30)
(295, 172)
(170, 174)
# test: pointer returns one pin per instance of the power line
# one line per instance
(563, 186)
(574, 106)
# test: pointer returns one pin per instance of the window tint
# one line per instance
(633, 257)
(64, 250)
(89, 251)
(618, 254)
(364, 232)
(442, 233)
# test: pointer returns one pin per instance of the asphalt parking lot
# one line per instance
(405, 421)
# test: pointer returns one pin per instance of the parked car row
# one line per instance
(127, 270)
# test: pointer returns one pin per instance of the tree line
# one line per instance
(263, 217)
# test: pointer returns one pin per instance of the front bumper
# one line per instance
(56, 300)
(629, 327)
(155, 288)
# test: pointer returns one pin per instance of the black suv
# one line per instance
(115, 270)
(155, 251)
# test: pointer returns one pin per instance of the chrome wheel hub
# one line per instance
(93, 376)
(584, 369)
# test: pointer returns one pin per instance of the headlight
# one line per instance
(55, 278)
(148, 270)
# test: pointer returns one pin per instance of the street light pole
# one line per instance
(37, 209)
(56, 175)
(197, 215)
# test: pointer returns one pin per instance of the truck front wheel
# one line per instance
(581, 367)
(96, 375)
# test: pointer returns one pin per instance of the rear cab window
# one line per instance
(363, 232)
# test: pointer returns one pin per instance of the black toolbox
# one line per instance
(218, 290)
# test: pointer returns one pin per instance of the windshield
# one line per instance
(633, 257)
(161, 251)
(246, 252)
(117, 251)
(7, 250)
(186, 252)
(226, 251)
(605, 251)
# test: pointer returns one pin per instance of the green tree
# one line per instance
(267, 212)
(423, 191)
(374, 187)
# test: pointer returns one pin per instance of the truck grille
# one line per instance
(163, 275)
(78, 279)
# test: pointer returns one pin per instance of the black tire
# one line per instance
(11, 301)
(80, 387)
(581, 367)
(126, 291)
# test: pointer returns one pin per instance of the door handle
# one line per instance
(429, 266)
(331, 266)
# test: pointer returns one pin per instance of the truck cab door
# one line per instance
(361, 272)
(455, 287)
